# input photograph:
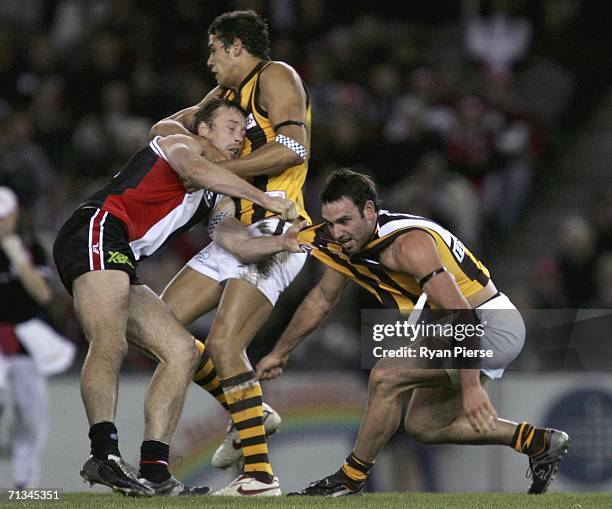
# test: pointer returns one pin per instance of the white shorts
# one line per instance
(271, 276)
(504, 333)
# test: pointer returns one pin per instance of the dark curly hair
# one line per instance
(207, 112)
(247, 26)
(349, 184)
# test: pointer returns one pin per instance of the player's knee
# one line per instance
(383, 383)
(112, 349)
(186, 354)
(219, 341)
(214, 345)
(194, 356)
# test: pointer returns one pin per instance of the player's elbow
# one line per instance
(167, 127)
(319, 304)
(327, 299)
(293, 151)
(294, 159)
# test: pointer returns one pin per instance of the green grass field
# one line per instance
(378, 501)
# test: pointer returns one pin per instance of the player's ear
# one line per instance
(203, 129)
(237, 46)
(369, 209)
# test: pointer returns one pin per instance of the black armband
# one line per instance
(433, 273)
(289, 122)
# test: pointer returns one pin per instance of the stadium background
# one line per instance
(493, 118)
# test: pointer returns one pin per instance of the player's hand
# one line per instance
(290, 237)
(271, 366)
(284, 208)
(478, 409)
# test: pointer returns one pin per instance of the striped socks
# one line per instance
(206, 376)
(244, 398)
(355, 470)
(528, 439)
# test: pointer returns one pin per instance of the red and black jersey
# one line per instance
(148, 197)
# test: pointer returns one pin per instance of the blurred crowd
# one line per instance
(579, 273)
(454, 108)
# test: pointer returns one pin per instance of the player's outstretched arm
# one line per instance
(307, 317)
(184, 157)
(233, 236)
(416, 253)
(282, 95)
(182, 121)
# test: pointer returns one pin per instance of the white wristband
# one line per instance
(291, 144)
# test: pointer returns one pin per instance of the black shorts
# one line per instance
(92, 240)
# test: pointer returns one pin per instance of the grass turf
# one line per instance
(378, 501)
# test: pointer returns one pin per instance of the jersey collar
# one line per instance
(249, 76)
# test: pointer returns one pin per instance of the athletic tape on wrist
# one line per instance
(291, 144)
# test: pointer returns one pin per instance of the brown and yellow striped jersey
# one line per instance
(259, 132)
(392, 289)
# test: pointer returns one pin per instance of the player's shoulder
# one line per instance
(400, 230)
(172, 138)
(389, 222)
(276, 70)
(309, 231)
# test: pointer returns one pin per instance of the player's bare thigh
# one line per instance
(191, 294)
(242, 312)
(152, 328)
(101, 304)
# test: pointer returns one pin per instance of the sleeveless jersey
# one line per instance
(392, 289)
(259, 132)
(150, 200)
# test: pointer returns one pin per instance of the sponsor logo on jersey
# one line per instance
(308, 249)
(250, 121)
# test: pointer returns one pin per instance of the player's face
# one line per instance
(227, 131)
(221, 63)
(347, 225)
